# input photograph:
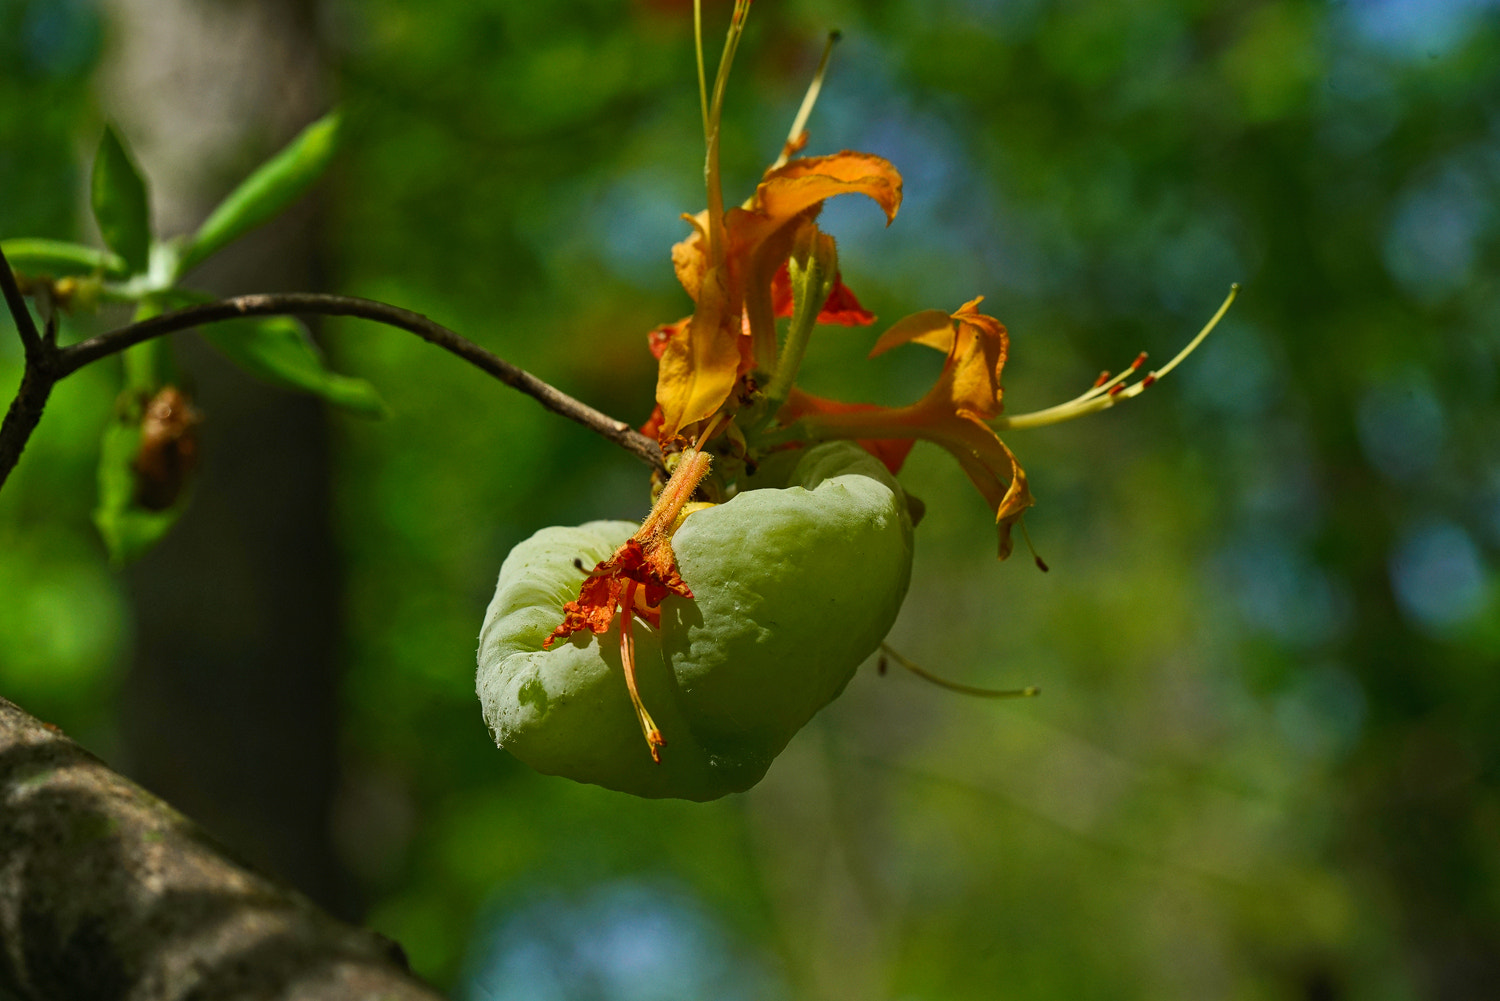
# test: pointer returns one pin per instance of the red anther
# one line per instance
(1041, 564)
(1116, 390)
(1148, 380)
(880, 666)
(1103, 378)
(1140, 360)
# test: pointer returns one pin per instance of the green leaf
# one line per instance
(121, 206)
(58, 257)
(149, 365)
(278, 350)
(129, 530)
(792, 589)
(274, 186)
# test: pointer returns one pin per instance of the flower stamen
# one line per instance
(1030, 691)
(1036, 557)
(1106, 392)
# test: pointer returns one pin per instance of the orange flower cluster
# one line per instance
(726, 375)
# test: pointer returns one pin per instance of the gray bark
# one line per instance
(106, 892)
(230, 706)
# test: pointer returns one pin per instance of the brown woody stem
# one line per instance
(315, 303)
(46, 363)
(36, 383)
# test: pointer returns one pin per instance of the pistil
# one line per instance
(797, 137)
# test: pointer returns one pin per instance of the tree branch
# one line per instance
(22, 417)
(107, 892)
(70, 359)
(16, 302)
(36, 382)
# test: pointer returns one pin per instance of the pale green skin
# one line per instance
(792, 589)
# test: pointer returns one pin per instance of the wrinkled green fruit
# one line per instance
(793, 588)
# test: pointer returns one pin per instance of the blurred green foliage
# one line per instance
(1265, 761)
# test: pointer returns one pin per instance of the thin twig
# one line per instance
(30, 338)
(22, 417)
(75, 356)
(36, 382)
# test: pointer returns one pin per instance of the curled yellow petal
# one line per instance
(690, 256)
(991, 466)
(698, 368)
(803, 183)
(932, 327)
(952, 414)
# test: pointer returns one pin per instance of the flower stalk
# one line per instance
(812, 269)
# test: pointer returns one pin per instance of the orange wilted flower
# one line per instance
(729, 266)
(953, 414)
(726, 375)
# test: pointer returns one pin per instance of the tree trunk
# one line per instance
(230, 706)
(106, 892)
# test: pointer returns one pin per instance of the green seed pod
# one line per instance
(793, 588)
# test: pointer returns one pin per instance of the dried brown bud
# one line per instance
(169, 449)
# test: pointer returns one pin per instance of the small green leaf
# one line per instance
(121, 206)
(58, 257)
(279, 350)
(129, 530)
(273, 186)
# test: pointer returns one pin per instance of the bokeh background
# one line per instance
(1265, 761)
